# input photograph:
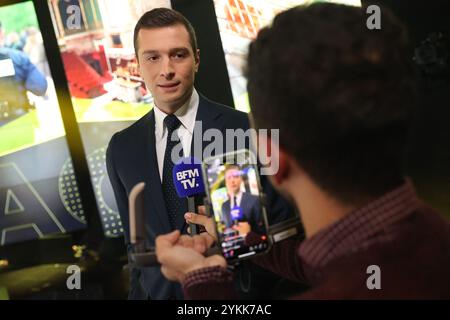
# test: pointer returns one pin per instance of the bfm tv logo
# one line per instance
(187, 177)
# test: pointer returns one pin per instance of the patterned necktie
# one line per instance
(175, 205)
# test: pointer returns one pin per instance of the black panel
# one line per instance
(212, 79)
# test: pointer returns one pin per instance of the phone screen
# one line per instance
(233, 188)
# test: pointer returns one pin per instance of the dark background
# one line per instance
(428, 159)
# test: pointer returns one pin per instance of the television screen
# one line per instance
(239, 22)
(39, 194)
(96, 43)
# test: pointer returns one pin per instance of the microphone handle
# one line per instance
(191, 208)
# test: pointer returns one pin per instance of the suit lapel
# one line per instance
(244, 204)
(208, 117)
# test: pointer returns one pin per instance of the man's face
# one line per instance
(168, 65)
(233, 181)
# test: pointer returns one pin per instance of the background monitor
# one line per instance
(95, 40)
(239, 22)
(39, 192)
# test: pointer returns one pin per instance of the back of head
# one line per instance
(341, 95)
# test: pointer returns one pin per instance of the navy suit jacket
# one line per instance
(251, 210)
(131, 158)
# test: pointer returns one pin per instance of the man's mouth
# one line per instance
(169, 85)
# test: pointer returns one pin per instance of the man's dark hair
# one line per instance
(163, 17)
(341, 95)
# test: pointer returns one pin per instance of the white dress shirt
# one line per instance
(187, 115)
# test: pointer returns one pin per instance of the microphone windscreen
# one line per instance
(187, 177)
(236, 213)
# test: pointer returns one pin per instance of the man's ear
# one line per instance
(197, 59)
(284, 167)
(272, 155)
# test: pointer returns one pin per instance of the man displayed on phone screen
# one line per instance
(242, 210)
(238, 210)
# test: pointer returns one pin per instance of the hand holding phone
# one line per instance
(177, 260)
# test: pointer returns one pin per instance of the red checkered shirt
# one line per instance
(358, 230)
(368, 225)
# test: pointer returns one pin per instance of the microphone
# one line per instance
(188, 181)
(236, 213)
(141, 256)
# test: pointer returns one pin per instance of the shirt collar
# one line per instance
(359, 228)
(237, 195)
(186, 114)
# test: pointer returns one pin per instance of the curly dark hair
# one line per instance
(342, 95)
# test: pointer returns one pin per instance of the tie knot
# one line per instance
(172, 123)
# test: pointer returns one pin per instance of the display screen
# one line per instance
(234, 191)
(108, 94)
(239, 22)
(38, 191)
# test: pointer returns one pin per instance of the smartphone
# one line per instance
(235, 196)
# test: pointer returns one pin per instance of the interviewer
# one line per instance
(342, 97)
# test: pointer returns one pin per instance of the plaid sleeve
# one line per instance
(209, 283)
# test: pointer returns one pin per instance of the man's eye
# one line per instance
(152, 58)
(180, 55)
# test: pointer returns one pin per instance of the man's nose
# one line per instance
(167, 70)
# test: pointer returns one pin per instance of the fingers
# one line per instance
(166, 241)
(209, 240)
(186, 241)
(196, 218)
(202, 210)
(200, 244)
(242, 227)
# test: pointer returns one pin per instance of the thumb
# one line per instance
(167, 240)
(202, 210)
(173, 236)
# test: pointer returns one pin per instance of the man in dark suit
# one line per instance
(168, 58)
(248, 204)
